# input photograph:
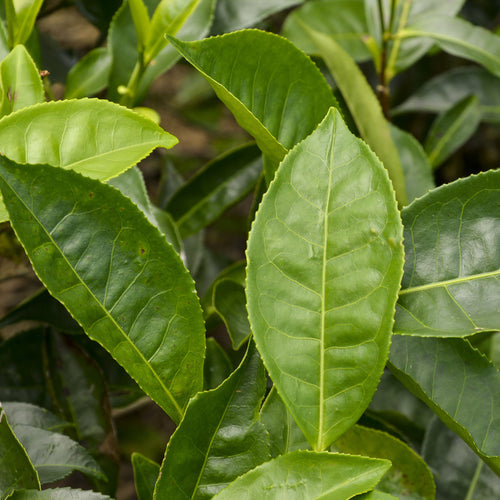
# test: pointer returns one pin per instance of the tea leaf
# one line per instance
(36, 416)
(306, 474)
(25, 17)
(145, 475)
(142, 25)
(58, 494)
(324, 266)
(217, 365)
(79, 234)
(451, 285)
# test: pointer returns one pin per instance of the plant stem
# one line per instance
(390, 69)
(382, 88)
(128, 99)
(475, 478)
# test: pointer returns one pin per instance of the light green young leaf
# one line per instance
(443, 91)
(458, 384)
(321, 287)
(306, 474)
(145, 475)
(4, 41)
(459, 38)
(451, 285)
(89, 75)
(94, 137)
(220, 437)
(142, 24)
(20, 82)
(241, 78)
(78, 234)
(452, 129)
(58, 494)
(363, 105)
(16, 469)
(25, 17)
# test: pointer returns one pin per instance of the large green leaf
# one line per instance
(79, 234)
(36, 416)
(218, 426)
(145, 475)
(452, 129)
(451, 283)
(443, 91)
(306, 474)
(95, 137)
(20, 82)
(324, 265)
(16, 470)
(241, 66)
(58, 494)
(363, 105)
(460, 386)
(460, 38)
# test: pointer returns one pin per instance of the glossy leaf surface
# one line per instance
(58, 494)
(452, 129)
(145, 313)
(299, 94)
(16, 469)
(219, 426)
(20, 82)
(215, 188)
(321, 286)
(145, 475)
(140, 18)
(306, 474)
(451, 283)
(459, 385)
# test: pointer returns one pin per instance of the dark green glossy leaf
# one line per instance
(459, 38)
(408, 478)
(452, 129)
(20, 82)
(58, 494)
(416, 168)
(445, 90)
(217, 365)
(218, 426)
(16, 470)
(306, 474)
(460, 474)
(89, 75)
(219, 185)
(299, 93)
(36, 416)
(451, 283)
(458, 384)
(321, 286)
(342, 20)
(145, 475)
(145, 313)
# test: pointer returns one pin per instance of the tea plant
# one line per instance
(357, 267)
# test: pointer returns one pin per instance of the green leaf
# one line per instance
(408, 478)
(240, 78)
(459, 38)
(217, 365)
(452, 129)
(216, 187)
(451, 281)
(416, 168)
(458, 471)
(376, 495)
(342, 20)
(36, 416)
(445, 90)
(218, 426)
(321, 287)
(458, 384)
(145, 475)
(142, 25)
(285, 435)
(78, 234)
(20, 82)
(16, 470)
(58, 494)
(95, 137)
(89, 75)
(26, 13)
(306, 474)
(4, 42)
(363, 105)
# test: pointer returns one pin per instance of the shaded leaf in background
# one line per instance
(217, 367)
(452, 129)
(145, 475)
(98, 12)
(218, 426)
(324, 265)
(20, 81)
(458, 384)
(78, 234)
(460, 474)
(306, 474)
(16, 469)
(36, 416)
(299, 93)
(58, 494)
(451, 283)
